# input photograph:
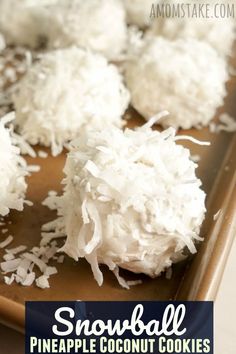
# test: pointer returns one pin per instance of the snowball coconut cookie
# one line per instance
(12, 172)
(24, 22)
(66, 91)
(186, 77)
(131, 200)
(96, 24)
(218, 32)
(138, 12)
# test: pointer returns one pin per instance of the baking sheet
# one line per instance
(195, 279)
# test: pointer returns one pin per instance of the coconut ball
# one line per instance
(24, 22)
(65, 92)
(186, 77)
(138, 12)
(12, 172)
(218, 32)
(96, 24)
(131, 200)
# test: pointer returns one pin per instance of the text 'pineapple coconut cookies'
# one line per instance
(24, 22)
(65, 92)
(138, 12)
(218, 31)
(131, 200)
(186, 77)
(96, 24)
(13, 170)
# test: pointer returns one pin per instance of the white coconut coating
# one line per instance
(96, 24)
(218, 32)
(139, 12)
(131, 200)
(65, 92)
(13, 170)
(186, 77)
(24, 22)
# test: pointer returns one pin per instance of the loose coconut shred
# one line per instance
(25, 267)
(131, 200)
(226, 123)
(12, 196)
(13, 170)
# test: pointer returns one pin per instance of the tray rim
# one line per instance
(223, 230)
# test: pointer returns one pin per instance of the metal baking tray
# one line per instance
(197, 278)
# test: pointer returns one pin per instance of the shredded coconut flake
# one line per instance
(216, 215)
(16, 250)
(29, 279)
(226, 123)
(8, 257)
(42, 154)
(42, 282)
(50, 271)
(169, 273)
(60, 259)
(7, 242)
(33, 168)
(10, 266)
(196, 158)
(22, 267)
(134, 282)
(9, 280)
(36, 260)
(13, 171)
